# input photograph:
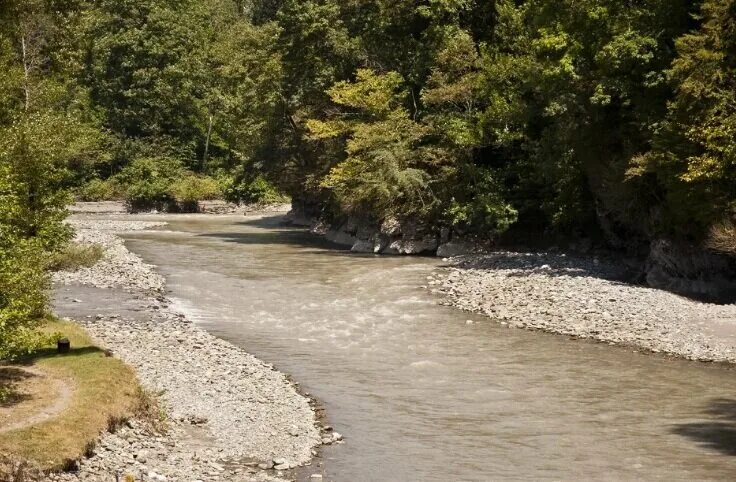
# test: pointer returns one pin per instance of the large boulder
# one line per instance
(425, 245)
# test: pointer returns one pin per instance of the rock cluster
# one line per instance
(391, 237)
(134, 450)
(581, 297)
(231, 415)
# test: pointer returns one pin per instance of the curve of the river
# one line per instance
(419, 393)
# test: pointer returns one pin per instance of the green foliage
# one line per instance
(75, 256)
(568, 116)
(482, 208)
(190, 188)
(253, 191)
(141, 66)
(694, 155)
(37, 150)
(163, 184)
(23, 282)
(97, 190)
(385, 171)
(23, 285)
(148, 182)
(47, 130)
(242, 102)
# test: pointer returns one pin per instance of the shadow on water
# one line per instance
(277, 232)
(268, 222)
(717, 434)
(300, 239)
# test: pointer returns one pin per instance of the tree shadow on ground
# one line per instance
(525, 264)
(10, 378)
(719, 433)
(50, 352)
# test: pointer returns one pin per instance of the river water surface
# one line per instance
(418, 392)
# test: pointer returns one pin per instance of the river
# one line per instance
(422, 394)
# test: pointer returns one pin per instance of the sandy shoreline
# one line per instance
(232, 416)
(581, 297)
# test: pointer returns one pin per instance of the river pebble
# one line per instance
(227, 410)
(582, 297)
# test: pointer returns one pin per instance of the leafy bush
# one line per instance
(23, 296)
(97, 190)
(482, 207)
(75, 256)
(191, 188)
(33, 155)
(385, 169)
(148, 181)
(254, 191)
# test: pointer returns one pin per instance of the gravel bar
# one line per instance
(231, 416)
(581, 297)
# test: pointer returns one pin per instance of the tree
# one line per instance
(694, 155)
(385, 171)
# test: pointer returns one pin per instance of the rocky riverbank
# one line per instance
(231, 416)
(581, 297)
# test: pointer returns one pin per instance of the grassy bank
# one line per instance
(96, 392)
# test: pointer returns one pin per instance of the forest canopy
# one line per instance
(595, 118)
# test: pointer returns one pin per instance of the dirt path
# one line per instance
(58, 390)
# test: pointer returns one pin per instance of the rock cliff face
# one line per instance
(390, 237)
(691, 271)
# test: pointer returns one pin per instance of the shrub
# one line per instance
(722, 238)
(75, 256)
(23, 296)
(254, 191)
(98, 190)
(147, 182)
(188, 190)
(482, 207)
(23, 281)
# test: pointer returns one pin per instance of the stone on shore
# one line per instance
(223, 405)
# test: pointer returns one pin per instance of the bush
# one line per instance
(482, 207)
(23, 281)
(147, 182)
(191, 188)
(722, 238)
(97, 190)
(254, 191)
(23, 296)
(75, 256)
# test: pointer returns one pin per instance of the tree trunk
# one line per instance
(26, 73)
(207, 144)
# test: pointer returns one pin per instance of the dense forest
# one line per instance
(603, 119)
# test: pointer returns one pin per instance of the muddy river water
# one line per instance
(421, 394)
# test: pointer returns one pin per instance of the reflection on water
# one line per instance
(419, 393)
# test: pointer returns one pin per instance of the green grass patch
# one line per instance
(76, 256)
(104, 393)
